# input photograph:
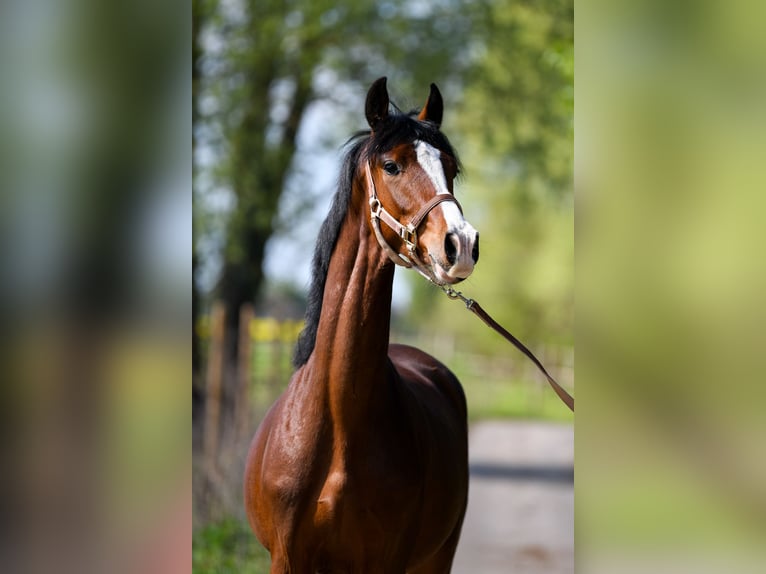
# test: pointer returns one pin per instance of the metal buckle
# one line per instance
(409, 236)
(452, 294)
(375, 207)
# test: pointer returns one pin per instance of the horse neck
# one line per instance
(351, 354)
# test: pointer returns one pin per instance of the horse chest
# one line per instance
(349, 488)
(363, 509)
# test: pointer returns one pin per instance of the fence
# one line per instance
(496, 386)
(264, 365)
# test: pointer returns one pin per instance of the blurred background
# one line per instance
(96, 227)
(278, 88)
(670, 143)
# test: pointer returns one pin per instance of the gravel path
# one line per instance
(520, 515)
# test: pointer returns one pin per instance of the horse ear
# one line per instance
(376, 107)
(434, 108)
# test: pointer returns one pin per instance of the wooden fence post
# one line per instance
(214, 382)
(244, 370)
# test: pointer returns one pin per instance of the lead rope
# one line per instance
(408, 234)
(477, 310)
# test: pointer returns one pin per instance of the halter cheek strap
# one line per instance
(409, 232)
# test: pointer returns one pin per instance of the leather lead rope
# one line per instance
(477, 310)
(409, 234)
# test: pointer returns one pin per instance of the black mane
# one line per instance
(396, 129)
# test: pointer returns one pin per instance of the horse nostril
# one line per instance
(450, 248)
(475, 252)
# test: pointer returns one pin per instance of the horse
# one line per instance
(361, 465)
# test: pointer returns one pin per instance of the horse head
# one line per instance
(410, 170)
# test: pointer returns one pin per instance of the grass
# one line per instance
(228, 547)
(502, 399)
(495, 391)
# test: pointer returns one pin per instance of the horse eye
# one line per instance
(391, 168)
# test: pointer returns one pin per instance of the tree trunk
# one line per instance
(259, 175)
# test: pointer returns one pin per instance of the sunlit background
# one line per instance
(670, 183)
(96, 225)
(95, 220)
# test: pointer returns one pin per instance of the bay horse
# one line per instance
(361, 465)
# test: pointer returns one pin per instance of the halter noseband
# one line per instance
(408, 233)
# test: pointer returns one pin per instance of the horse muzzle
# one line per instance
(460, 254)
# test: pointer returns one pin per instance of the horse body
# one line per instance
(361, 465)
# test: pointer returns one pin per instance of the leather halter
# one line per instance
(409, 232)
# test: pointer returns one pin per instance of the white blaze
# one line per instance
(429, 159)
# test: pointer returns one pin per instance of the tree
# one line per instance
(265, 78)
(200, 16)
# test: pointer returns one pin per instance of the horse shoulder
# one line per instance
(289, 442)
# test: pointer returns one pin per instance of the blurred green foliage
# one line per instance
(261, 66)
(671, 282)
(506, 71)
(513, 126)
